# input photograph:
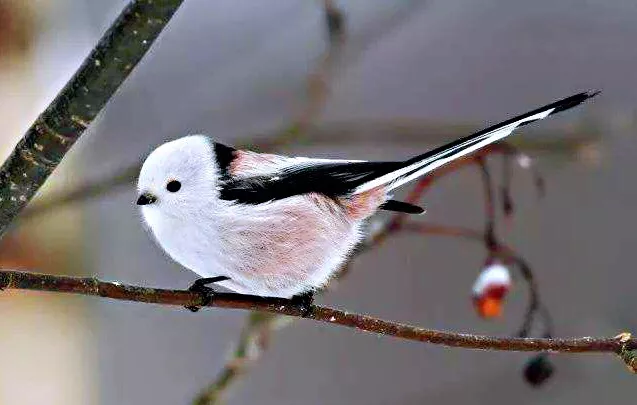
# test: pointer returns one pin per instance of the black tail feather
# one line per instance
(558, 106)
(401, 206)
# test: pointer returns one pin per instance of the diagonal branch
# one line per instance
(94, 287)
(55, 131)
(318, 88)
(253, 340)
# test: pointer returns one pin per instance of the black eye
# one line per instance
(173, 186)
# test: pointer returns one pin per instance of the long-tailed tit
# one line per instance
(273, 225)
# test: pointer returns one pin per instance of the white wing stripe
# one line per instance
(453, 153)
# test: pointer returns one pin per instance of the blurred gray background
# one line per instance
(237, 71)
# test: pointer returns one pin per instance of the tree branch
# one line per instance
(69, 114)
(10, 279)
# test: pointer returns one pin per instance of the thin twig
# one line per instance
(489, 203)
(505, 187)
(496, 248)
(424, 183)
(534, 297)
(504, 253)
(510, 151)
(65, 119)
(317, 86)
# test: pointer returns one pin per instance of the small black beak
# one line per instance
(146, 199)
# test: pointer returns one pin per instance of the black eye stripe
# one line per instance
(173, 186)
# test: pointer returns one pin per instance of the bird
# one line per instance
(277, 226)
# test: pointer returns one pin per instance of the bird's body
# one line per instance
(277, 248)
(275, 225)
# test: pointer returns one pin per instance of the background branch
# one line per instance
(259, 327)
(55, 131)
(254, 339)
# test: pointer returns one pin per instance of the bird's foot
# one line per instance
(200, 286)
(304, 302)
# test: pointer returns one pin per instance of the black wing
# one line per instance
(334, 180)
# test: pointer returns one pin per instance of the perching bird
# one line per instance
(273, 225)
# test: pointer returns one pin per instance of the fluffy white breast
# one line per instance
(278, 248)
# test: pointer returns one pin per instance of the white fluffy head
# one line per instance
(190, 161)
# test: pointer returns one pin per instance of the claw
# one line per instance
(304, 303)
(207, 294)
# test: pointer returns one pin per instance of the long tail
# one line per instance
(423, 164)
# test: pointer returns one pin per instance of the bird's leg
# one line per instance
(200, 286)
(304, 302)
